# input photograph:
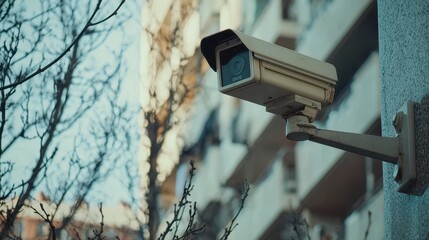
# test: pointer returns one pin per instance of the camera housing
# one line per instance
(285, 82)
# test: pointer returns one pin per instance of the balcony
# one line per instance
(266, 206)
(212, 174)
(330, 180)
(357, 223)
(282, 31)
(267, 142)
(330, 26)
(344, 33)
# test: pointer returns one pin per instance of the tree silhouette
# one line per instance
(58, 102)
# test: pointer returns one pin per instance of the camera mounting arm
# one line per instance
(386, 149)
(397, 150)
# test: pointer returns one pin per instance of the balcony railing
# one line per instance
(357, 112)
(265, 205)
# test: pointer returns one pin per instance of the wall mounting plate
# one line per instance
(405, 170)
(399, 150)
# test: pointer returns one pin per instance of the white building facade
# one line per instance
(327, 193)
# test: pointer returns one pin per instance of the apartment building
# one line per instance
(298, 190)
(118, 221)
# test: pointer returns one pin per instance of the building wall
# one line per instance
(323, 30)
(357, 113)
(404, 62)
(33, 227)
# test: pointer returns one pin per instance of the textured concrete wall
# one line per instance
(404, 68)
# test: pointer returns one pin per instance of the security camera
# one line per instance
(285, 82)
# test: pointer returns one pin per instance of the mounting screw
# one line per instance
(397, 122)
(397, 172)
(405, 169)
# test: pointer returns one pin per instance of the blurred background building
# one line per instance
(117, 221)
(296, 188)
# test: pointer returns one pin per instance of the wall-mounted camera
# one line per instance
(283, 81)
(296, 87)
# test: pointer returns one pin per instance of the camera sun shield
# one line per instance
(284, 81)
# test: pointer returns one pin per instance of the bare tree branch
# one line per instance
(233, 224)
(178, 210)
(49, 109)
(368, 226)
(47, 218)
(84, 30)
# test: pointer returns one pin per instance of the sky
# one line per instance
(111, 191)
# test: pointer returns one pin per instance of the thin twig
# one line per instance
(233, 224)
(368, 226)
(48, 219)
(98, 234)
(180, 206)
(59, 57)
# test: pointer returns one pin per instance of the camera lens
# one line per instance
(236, 65)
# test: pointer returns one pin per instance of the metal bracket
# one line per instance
(399, 150)
(405, 170)
(293, 104)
